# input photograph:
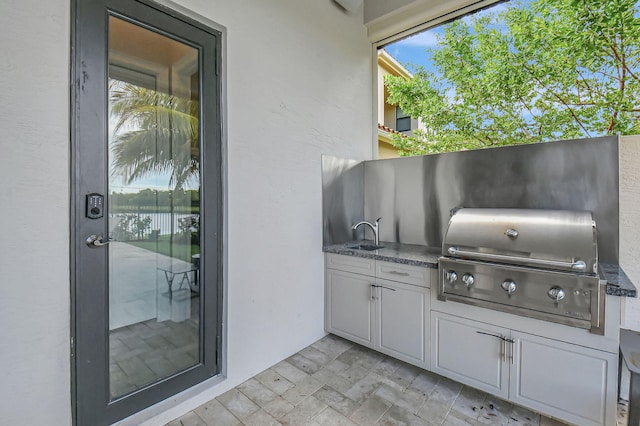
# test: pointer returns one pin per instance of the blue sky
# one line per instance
(413, 50)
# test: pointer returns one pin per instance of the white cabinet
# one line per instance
(539, 379)
(402, 329)
(470, 352)
(559, 379)
(349, 311)
(390, 316)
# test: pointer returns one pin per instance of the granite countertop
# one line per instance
(408, 254)
(618, 284)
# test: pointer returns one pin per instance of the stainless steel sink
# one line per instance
(367, 247)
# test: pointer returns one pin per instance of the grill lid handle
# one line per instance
(579, 265)
(511, 233)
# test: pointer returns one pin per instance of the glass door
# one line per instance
(147, 218)
(153, 208)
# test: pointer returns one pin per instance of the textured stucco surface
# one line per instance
(34, 196)
(299, 79)
(299, 85)
(630, 224)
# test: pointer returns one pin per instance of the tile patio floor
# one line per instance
(335, 382)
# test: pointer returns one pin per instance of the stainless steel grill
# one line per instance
(536, 263)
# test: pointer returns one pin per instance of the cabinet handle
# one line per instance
(381, 286)
(388, 288)
(404, 274)
(503, 344)
(512, 349)
(490, 334)
(373, 291)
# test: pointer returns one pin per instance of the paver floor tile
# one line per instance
(290, 372)
(274, 381)
(303, 363)
(330, 417)
(336, 381)
(408, 400)
(387, 366)
(302, 390)
(257, 392)
(261, 418)
(397, 416)
(470, 402)
(336, 366)
(434, 411)
(523, 417)
(238, 404)
(189, 419)
(336, 400)
(457, 419)
(361, 356)
(332, 345)
(405, 374)
(358, 387)
(370, 411)
(214, 413)
(495, 411)
(320, 358)
(425, 382)
(304, 412)
(279, 407)
(361, 390)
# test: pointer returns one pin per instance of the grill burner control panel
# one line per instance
(562, 297)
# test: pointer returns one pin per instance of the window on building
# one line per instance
(403, 120)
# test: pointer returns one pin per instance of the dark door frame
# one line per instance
(91, 403)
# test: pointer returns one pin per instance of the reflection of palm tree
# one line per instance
(164, 135)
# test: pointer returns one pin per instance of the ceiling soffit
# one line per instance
(414, 16)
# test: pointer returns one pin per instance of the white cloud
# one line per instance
(423, 39)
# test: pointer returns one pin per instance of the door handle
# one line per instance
(94, 241)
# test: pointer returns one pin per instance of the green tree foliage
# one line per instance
(151, 200)
(155, 133)
(557, 69)
(131, 225)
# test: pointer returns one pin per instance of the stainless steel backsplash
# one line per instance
(342, 198)
(416, 195)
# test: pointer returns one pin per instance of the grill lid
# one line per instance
(551, 239)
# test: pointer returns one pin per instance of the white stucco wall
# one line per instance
(34, 213)
(299, 84)
(630, 224)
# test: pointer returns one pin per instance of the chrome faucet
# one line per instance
(374, 228)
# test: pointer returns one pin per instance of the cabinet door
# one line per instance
(570, 382)
(402, 321)
(470, 352)
(348, 306)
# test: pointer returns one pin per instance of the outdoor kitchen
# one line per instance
(203, 223)
(497, 268)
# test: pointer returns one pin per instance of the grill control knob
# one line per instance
(556, 293)
(452, 277)
(468, 280)
(509, 286)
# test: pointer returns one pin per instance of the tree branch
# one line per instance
(559, 98)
